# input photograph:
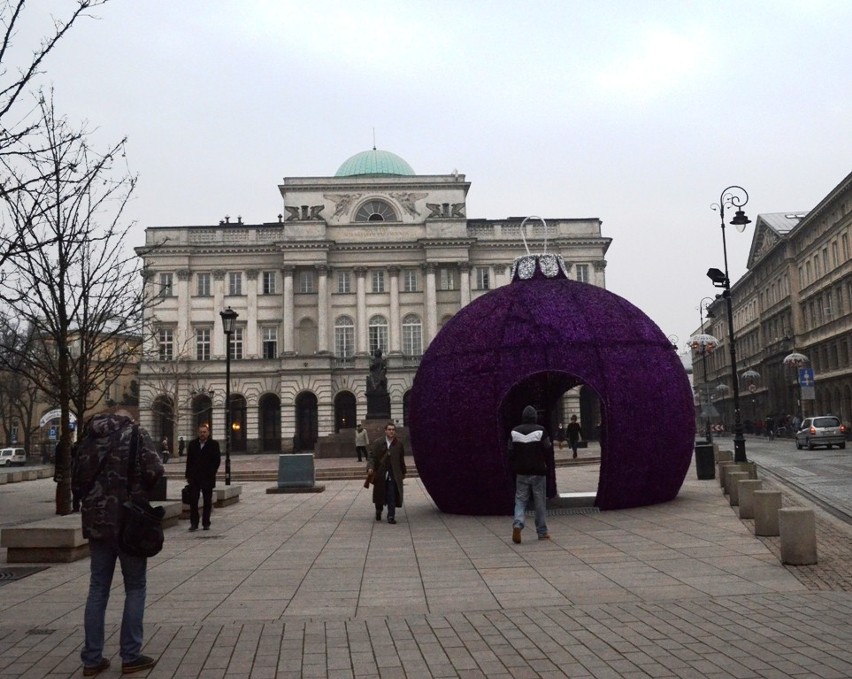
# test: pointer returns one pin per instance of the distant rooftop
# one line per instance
(783, 222)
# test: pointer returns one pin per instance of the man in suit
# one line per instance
(387, 462)
(202, 463)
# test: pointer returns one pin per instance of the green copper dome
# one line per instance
(374, 162)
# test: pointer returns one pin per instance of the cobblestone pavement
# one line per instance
(311, 586)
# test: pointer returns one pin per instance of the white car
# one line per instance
(824, 430)
(10, 456)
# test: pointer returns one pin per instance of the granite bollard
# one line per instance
(747, 488)
(797, 528)
(766, 506)
(734, 479)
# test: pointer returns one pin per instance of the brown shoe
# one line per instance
(96, 669)
(546, 536)
(516, 535)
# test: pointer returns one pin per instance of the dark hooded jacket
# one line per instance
(101, 472)
(529, 445)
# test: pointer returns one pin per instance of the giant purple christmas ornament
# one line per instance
(531, 341)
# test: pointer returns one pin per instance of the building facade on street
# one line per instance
(374, 257)
(796, 298)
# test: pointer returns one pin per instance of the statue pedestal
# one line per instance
(378, 406)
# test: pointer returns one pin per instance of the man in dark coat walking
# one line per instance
(202, 463)
(387, 464)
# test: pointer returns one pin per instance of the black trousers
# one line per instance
(207, 494)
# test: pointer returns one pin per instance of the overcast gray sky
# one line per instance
(638, 113)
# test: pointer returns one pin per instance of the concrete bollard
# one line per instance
(797, 528)
(767, 503)
(746, 497)
(723, 455)
(722, 469)
(734, 479)
(732, 469)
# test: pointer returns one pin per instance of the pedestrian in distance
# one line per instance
(386, 466)
(202, 462)
(575, 433)
(361, 442)
(560, 436)
(529, 451)
(101, 475)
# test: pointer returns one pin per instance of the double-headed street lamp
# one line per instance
(704, 343)
(732, 196)
(228, 318)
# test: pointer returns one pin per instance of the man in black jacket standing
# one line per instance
(529, 447)
(202, 463)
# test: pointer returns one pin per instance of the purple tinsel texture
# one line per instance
(493, 356)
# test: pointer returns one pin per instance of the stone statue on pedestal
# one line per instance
(378, 399)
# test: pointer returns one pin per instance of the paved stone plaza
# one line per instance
(310, 585)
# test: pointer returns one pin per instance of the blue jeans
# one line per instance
(526, 486)
(103, 556)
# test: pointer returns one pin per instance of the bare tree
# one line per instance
(19, 399)
(80, 296)
(20, 68)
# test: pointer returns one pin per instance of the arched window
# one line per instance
(376, 211)
(412, 335)
(378, 333)
(344, 337)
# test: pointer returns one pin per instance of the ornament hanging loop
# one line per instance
(524, 238)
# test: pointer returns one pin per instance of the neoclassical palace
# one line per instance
(374, 256)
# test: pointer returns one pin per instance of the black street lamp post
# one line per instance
(733, 196)
(228, 318)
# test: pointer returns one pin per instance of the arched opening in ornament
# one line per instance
(557, 396)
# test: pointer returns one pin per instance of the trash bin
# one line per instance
(705, 463)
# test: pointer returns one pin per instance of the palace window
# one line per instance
(583, 273)
(343, 282)
(166, 344)
(344, 337)
(378, 332)
(483, 278)
(378, 280)
(446, 279)
(376, 211)
(166, 285)
(270, 342)
(202, 285)
(412, 335)
(237, 343)
(269, 283)
(306, 281)
(409, 280)
(202, 344)
(235, 283)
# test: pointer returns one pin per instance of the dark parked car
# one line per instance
(823, 430)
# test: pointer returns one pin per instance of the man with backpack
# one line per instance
(105, 479)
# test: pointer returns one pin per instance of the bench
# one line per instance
(59, 539)
(226, 495)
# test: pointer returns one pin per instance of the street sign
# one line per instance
(53, 434)
(806, 383)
